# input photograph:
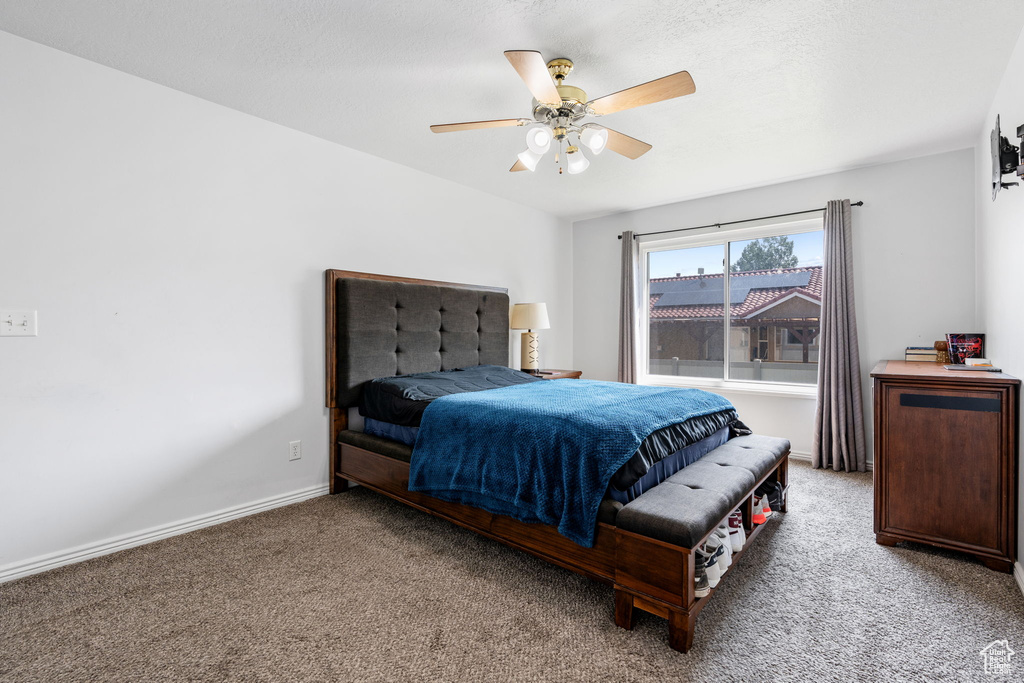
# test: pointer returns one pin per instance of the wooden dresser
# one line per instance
(946, 459)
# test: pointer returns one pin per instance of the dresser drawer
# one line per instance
(930, 435)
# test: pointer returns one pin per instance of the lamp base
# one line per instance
(529, 352)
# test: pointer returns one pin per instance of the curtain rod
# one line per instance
(747, 220)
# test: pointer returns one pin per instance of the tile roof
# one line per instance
(755, 300)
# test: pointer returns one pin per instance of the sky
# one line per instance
(807, 246)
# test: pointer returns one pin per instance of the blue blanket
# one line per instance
(544, 451)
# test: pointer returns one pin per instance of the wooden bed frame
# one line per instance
(646, 573)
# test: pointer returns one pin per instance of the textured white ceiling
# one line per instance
(785, 88)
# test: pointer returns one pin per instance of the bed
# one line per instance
(380, 327)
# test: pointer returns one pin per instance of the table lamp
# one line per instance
(530, 317)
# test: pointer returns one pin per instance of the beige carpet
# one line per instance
(359, 588)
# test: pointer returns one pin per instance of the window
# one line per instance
(742, 305)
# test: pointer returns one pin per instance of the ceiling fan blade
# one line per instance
(534, 71)
(473, 125)
(518, 166)
(620, 143)
(676, 85)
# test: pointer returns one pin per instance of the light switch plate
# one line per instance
(18, 324)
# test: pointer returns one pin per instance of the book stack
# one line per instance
(925, 354)
(978, 364)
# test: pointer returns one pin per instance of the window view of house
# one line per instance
(768, 332)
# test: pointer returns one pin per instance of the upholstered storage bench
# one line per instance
(644, 549)
(667, 523)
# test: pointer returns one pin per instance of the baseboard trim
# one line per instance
(1018, 574)
(806, 457)
(88, 551)
(799, 455)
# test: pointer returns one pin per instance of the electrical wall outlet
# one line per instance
(18, 324)
(294, 450)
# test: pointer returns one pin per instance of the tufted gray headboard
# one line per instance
(380, 326)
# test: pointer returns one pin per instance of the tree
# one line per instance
(765, 254)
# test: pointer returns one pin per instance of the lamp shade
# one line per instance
(538, 138)
(530, 317)
(594, 137)
(529, 159)
(577, 163)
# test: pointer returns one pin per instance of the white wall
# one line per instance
(175, 252)
(913, 261)
(1001, 245)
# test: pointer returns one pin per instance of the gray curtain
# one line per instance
(628, 310)
(839, 422)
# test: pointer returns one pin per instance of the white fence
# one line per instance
(758, 371)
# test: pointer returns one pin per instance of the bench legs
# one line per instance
(680, 630)
(680, 624)
(623, 609)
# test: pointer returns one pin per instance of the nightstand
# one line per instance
(558, 374)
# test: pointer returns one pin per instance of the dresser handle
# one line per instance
(978, 405)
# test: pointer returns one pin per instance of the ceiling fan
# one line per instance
(558, 108)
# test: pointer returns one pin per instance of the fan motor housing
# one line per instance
(573, 105)
(571, 95)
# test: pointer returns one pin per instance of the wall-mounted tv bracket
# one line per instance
(1006, 159)
(1020, 135)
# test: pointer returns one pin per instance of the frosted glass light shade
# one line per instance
(538, 139)
(530, 317)
(594, 138)
(577, 163)
(530, 159)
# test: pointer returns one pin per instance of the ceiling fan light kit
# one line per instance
(594, 137)
(538, 138)
(530, 159)
(575, 160)
(558, 108)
